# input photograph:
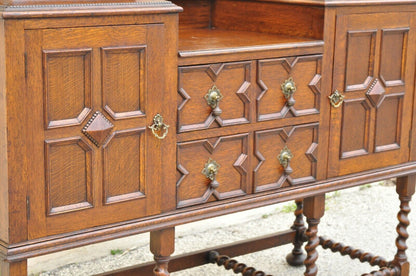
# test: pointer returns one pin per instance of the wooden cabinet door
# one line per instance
(93, 93)
(373, 69)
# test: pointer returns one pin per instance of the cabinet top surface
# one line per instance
(59, 8)
(54, 4)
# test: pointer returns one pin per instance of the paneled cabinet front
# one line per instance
(93, 93)
(372, 92)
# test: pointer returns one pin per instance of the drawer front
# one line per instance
(214, 95)
(285, 157)
(93, 97)
(289, 87)
(212, 169)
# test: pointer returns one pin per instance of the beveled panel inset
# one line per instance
(98, 128)
(376, 93)
(388, 123)
(359, 65)
(124, 81)
(306, 75)
(67, 86)
(229, 152)
(269, 173)
(124, 166)
(68, 175)
(393, 55)
(355, 128)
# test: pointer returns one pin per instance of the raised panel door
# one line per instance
(373, 70)
(94, 93)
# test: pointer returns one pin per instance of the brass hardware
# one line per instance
(159, 125)
(336, 99)
(210, 171)
(288, 89)
(284, 158)
(213, 98)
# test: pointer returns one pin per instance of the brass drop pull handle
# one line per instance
(336, 99)
(213, 98)
(159, 126)
(284, 158)
(288, 89)
(210, 171)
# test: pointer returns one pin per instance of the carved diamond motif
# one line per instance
(98, 128)
(376, 93)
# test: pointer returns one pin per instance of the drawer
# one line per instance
(214, 95)
(212, 169)
(285, 157)
(289, 87)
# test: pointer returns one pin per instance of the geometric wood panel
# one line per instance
(124, 81)
(272, 73)
(359, 64)
(301, 140)
(392, 60)
(383, 88)
(355, 128)
(68, 175)
(108, 70)
(374, 68)
(124, 166)
(233, 81)
(67, 86)
(230, 152)
(388, 123)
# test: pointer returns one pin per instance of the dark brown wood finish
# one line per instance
(17, 268)
(243, 86)
(200, 257)
(162, 245)
(373, 70)
(4, 214)
(405, 188)
(234, 265)
(297, 256)
(127, 102)
(314, 208)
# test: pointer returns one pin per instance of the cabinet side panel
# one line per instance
(19, 131)
(4, 216)
(267, 17)
(196, 13)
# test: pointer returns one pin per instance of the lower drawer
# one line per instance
(285, 157)
(230, 166)
(212, 169)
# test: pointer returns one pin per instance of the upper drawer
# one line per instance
(289, 87)
(214, 95)
(224, 94)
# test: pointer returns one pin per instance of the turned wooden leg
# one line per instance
(314, 208)
(297, 257)
(13, 269)
(162, 245)
(405, 187)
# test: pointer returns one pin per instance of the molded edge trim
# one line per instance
(51, 244)
(89, 9)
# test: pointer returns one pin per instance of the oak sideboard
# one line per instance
(123, 117)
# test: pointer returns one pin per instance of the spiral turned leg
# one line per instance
(162, 245)
(228, 263)
(385, 271)
(359, 254)
(314, 208)
(297, 257)
(405, 187)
